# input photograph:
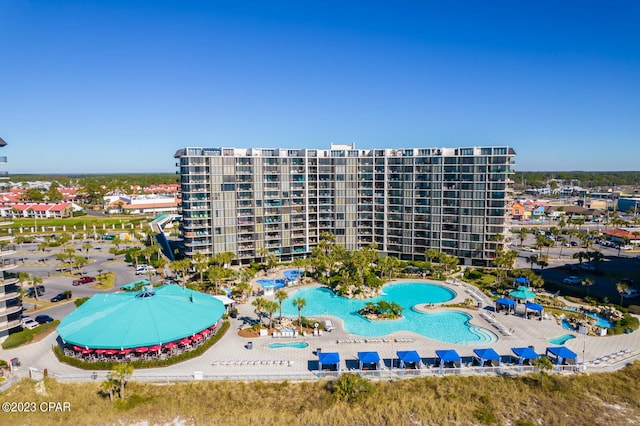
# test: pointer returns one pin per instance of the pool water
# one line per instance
(600, 322)
(297, 345)
(275, 283)
(446, 326)
(562, 339)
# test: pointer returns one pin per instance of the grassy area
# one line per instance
(607, 398)
(80, 221)
(26, 336)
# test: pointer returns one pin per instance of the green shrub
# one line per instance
(80, 301)
(350, 388)
(25, 336)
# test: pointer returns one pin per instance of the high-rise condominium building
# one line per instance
(10, 302)
(406, 201)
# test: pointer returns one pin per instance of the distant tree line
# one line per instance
(584, 179)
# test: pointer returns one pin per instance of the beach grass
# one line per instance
(603, 398)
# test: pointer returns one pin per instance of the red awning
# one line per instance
(185, 341)
(142, 350)
(110, 352)
(155, 348)
(100, 351)
(124, 351)
(170, 345)
(197, 336)
(205, 332)
(86, 351)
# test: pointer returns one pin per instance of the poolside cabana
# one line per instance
(448, 356)
(489, 355)
(329, 359)
(409, 357)
(506, 303)
(521, 281)
(370, 359)
(562, 354)
(535, 307)
(525, 354)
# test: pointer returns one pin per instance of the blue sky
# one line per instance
(119, 86)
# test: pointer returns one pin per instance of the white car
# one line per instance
(627, 247)
(143, 269)
(29, 323)
(572, 280)
(631, 293)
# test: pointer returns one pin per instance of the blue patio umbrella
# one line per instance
(522, 292)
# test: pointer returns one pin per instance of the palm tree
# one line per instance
(622, 288)
(201, 263)
(522, 234)
(121, 373)
(22, 277)
(86, 247)
(544, 364)
(280, 296)
(259, 304)
(587, 282)
(299, 303)
(34, 281)
(270, 307)
(181, 267)
(110, 386)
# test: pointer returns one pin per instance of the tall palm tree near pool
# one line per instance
(299, 303)
(281, 295)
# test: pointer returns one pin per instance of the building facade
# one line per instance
(252, 201)
(10, 301)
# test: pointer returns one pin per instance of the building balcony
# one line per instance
(8, 264)
(4, 326)
(10, 310)
(9, 295)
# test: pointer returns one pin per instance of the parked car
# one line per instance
(588, 267)
(28, 322)
(43, 319)
(143, 269)
(39, 291)
(60, 297)
(627, 247)
(572, 280)
(574, 244)
(631, 293)
(84, 280)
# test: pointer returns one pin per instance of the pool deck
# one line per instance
(231, 359)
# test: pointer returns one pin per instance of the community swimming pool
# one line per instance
(297, 345)
(562, 339)
(445, 325)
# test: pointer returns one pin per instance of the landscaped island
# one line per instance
(381, 310)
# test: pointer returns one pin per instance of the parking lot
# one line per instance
(55, 276)
(616, 265)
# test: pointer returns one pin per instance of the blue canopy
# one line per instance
(487, 354)
(506, 302)
(368, 357)
(409, 356)
(521, 281)
(525, 353)
(533, 306)
(448, 355)
(329, 358)
(561, 353)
